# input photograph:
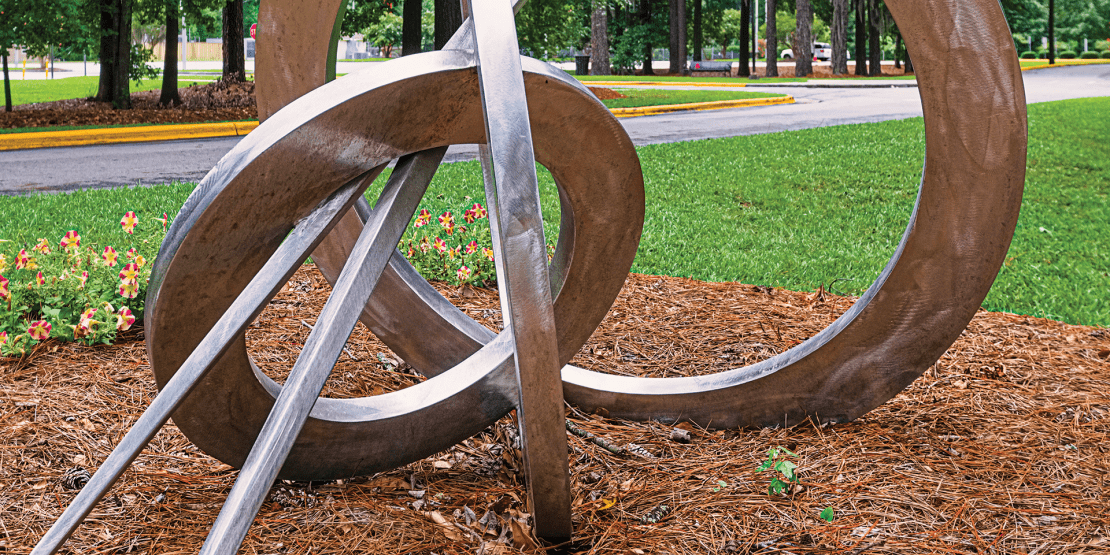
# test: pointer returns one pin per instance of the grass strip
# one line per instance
(637, 98)
(49, 90)
(796, 209)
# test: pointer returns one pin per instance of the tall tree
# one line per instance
(35, 25)
(235, 58)
(115, 53)
(699, 35)
(411, 27)
(448, 19)
(1051, 32)
(744, 70)
(677, 52)
(599, 38)
(803, 39)
(840, 37)
(875, 16)
(861, 36)
(169, 95)
(646, 35)
(772, 39)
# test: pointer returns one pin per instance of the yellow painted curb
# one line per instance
(697, 106)
(112, 135)
(660, 83)
(1067, 63)
(78, 137)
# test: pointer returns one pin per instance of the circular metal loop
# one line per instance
(277, 174)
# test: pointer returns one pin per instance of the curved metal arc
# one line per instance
(235, 320)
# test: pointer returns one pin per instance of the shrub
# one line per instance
(1029, 55)
(1068, 55)
(1089, 55)
(1106, 55)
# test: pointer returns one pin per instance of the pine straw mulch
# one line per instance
(1001, 447)
(217, 101)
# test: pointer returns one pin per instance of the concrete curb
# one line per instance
(698, 106)
(111, 135)
(1067, 64)
(660, 84)
(811, 84)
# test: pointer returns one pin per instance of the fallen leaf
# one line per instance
(446, 526)
(522, 532)
(389, 483)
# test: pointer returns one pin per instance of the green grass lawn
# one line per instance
(1060, 62)
(796, 209)
(48, 90)
(658, 97)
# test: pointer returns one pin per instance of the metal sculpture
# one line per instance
(294, 186)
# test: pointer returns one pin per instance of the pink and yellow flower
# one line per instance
(4, 291)
(84, 279)
(110, 256)
(39, 330)
(3, 337)
(130, 273)
(468, 216)
(479, 211)
(471, 247)
(463, 273)
(411, 253)
(42, 247)
(87, 317)
(488, 253)
(453, 252)
(131, 252)
(447, 222)
(3, 262)
(422, 218)
(124, 319)
(140, 260)
(129, 221)
(39, 279)
(439, 245)
(164, 219)
(424, 246)
(129, 289)
(71, 240)
(23, 260)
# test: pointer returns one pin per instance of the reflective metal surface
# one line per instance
(217, 266)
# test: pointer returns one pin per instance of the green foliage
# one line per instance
(1089, 55)
(544, 27)
(827, 514)
(386, 32)
(782, 470)
(1028, 55)
(1067, 55)
(1105, 55)
(140, 70)
(363, 14)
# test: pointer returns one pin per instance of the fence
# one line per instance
(200, 51)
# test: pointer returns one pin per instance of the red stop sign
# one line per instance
(253, 26)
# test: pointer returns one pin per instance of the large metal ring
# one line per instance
(243, 209)
(964, 217)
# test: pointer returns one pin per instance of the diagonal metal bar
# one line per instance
(280, 267)
(371, 253)
(512, 194)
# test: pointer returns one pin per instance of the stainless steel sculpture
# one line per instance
(305, 168)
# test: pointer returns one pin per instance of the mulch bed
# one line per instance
(1001, 447)
(217, 101)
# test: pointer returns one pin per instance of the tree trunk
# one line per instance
(699, 37)
(875, 32)
(448, 19)
(861, 37)
(898, 51)
(1051, 32)
(599, 39)
(840, 37)
(410, 27)
(645, 19)
(235, 59)
(7, 83)
(772, 39)
(677, 51)
(170, 96)
(803, 50)
(909, 62)
(115, 53)
(744, 54)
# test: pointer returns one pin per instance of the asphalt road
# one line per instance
(61, 169)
